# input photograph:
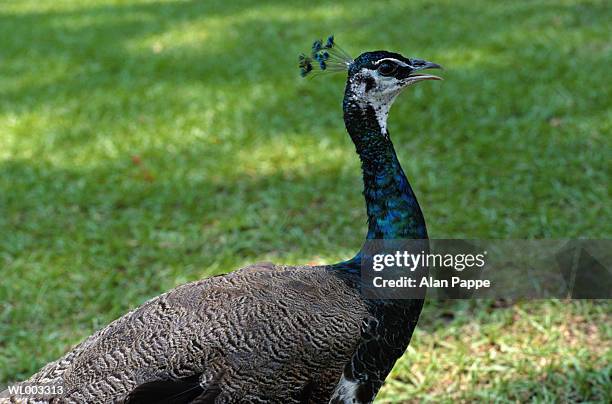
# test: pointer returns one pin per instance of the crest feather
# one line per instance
(326, 56)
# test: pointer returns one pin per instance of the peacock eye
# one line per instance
(387, 68)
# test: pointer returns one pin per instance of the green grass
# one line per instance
(145, 144)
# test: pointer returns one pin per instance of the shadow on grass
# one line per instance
(123, 220)
(90, 49)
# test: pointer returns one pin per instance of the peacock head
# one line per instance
(382, 75)
(375, 78)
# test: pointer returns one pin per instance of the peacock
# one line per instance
(272, 333)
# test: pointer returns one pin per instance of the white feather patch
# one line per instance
(346, 391)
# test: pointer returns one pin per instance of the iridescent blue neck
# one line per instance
(392, 208)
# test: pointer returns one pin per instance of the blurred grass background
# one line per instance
(144, 144)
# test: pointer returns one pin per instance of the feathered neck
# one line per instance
(392, 208)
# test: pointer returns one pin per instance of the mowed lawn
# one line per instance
(144, 144)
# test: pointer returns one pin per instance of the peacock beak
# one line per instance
(418, 65)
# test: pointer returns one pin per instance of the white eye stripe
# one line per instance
(399, 62)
